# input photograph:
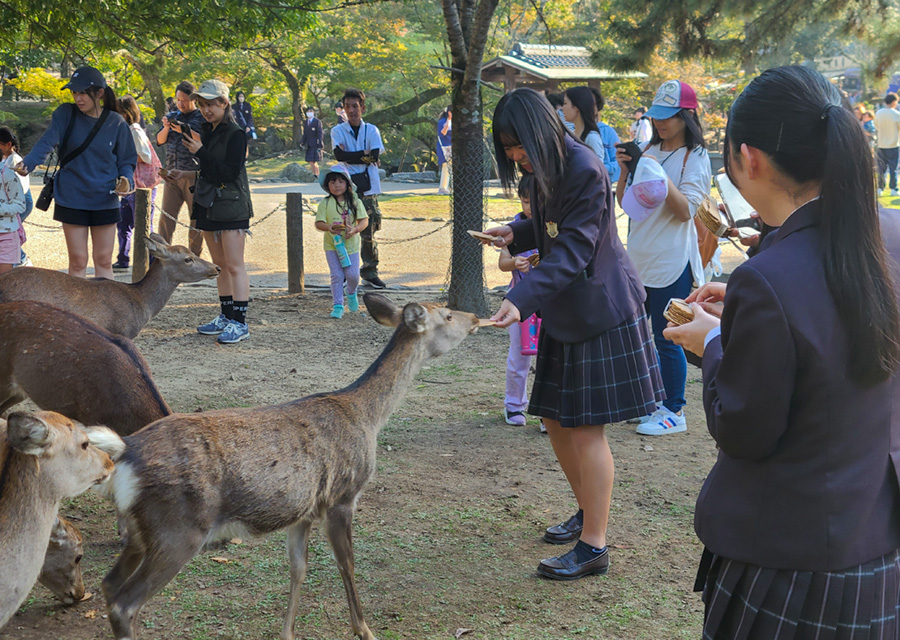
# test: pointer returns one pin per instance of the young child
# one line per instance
(9, 151)
(341, 216)
(12, 205)
(517, 365)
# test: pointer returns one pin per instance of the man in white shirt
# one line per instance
(887, 124)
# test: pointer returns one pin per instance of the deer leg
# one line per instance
(340, 535)
(156, 570)
(128, 561)
(298, 546)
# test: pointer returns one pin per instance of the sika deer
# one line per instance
(194, 478)
(118, 307)
(66, 364)
(61, 572)
(45, 457)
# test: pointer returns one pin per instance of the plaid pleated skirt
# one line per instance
(746, 602)
(608, 378)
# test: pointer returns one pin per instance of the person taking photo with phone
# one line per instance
(663, 246)
(96, 165)
(186, 119)
(222, 207)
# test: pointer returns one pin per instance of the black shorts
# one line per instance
(84, 218)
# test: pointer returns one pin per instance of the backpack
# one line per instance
(146, 174)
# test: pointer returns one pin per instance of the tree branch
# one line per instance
(477, 41)
(454, 31)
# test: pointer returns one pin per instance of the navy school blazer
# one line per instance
(807, 473)
(585, 283)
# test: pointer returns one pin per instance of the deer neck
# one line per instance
(378, 392)
(22, 499)
(155, 289)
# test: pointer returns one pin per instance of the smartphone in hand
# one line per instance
(634, 151)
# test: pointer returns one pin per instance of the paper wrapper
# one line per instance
(678, 312)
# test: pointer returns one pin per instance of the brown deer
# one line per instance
(66, 364)
(118, 307)
(194, 478)
(45, 457)
(61, 572)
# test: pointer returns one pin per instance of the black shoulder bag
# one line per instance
(46, 195)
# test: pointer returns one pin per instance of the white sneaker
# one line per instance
(663, 422)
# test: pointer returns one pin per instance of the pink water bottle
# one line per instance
(529, 329)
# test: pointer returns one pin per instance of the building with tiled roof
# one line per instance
(545, 66)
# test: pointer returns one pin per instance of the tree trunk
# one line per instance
(295, 88)
(150, 73)
(468, 26)
(466, 290)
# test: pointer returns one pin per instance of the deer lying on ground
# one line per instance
(118, 307)
(66, 364)
(61, 572)
(45, 457)
(194, 478)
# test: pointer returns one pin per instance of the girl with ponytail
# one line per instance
(799, 514)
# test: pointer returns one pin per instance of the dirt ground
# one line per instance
(447, 534)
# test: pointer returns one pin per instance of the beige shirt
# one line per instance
(887, 124)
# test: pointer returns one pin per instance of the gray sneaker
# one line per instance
(215, 327)
(234, 332)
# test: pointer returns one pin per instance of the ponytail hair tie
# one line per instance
(828, 107)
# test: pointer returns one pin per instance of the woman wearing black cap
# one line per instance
(88, 185)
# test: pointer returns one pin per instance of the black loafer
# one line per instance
(567, 567)
(565, 532)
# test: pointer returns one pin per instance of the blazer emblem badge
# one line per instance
(552, 231)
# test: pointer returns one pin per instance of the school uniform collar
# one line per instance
(806, 215)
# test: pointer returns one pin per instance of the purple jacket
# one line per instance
(585, 283)
(807, 473)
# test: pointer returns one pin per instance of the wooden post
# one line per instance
(295, 242)
(140, 258)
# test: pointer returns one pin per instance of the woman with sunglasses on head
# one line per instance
(596, 363)
(98, 154)
(799, 515)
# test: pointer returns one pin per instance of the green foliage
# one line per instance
(8, 119)
(42, 85)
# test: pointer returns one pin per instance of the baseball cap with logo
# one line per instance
(210, 90)
(85, 78)
(648, 189)
(672, 97)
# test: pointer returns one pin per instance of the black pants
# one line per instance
(369, 247)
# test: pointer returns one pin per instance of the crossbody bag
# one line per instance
(46, 195)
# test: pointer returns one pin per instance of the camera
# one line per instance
(632, 149)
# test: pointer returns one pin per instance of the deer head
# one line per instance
(61, 572)
(442, 327)
(180, 263)
(69, 464)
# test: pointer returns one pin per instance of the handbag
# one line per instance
(46, 196)
(362, 181)
(529, 330)
(146, 174)
(225, 203)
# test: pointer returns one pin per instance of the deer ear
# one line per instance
(105, 439)
(415, 317)
(382, 309)
(157, 245)
(28, 433)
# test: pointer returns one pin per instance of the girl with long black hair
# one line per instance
(87, 189)
(799, 515)
(664, 245)
(596, 363)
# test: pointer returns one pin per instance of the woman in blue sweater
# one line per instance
(87, 189)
